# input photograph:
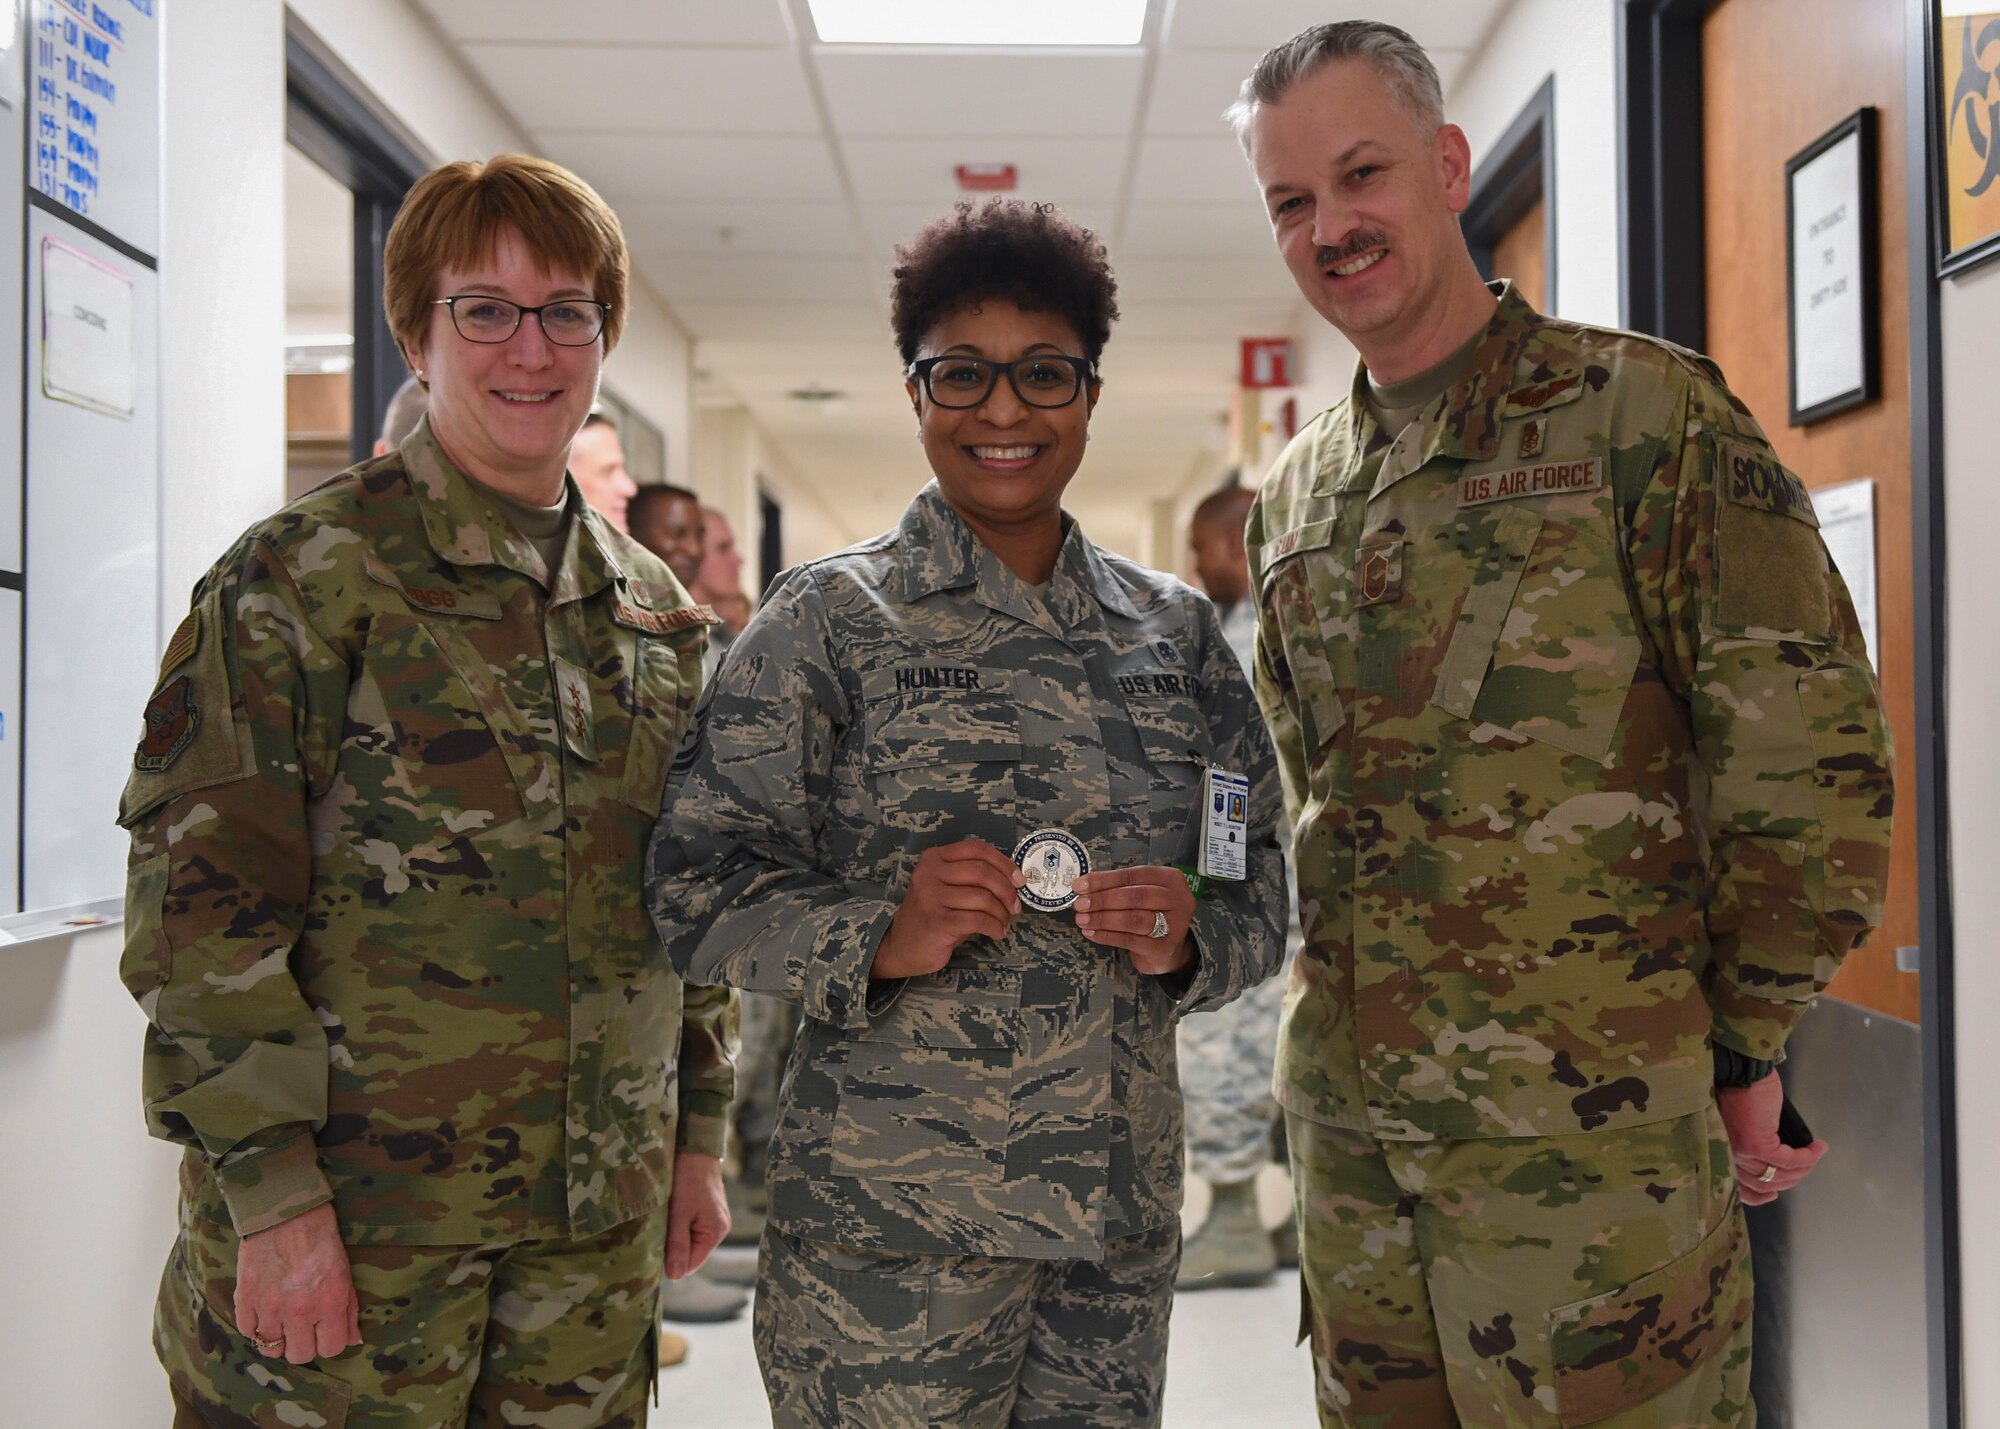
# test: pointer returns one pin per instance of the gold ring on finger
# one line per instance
(269, 1347)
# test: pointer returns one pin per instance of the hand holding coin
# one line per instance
(1145, 911)
(957, 891)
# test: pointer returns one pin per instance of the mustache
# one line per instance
(1354, 247)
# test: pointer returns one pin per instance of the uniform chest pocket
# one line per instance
(430, 707)
(1546, 644)
(1178, 749)
(943, 762)
(1301, 597)
(927, 1091)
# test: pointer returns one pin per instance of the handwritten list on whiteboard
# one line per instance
(94, 143)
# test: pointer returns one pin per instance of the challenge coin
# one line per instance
(1053, 861)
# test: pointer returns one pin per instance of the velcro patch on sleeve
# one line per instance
(663, 622)
(1551, 478)
(1751, 477)
(185, 641)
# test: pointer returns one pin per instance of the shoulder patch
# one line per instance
(1754, 477)
(172, 719)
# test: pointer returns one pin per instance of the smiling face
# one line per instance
(1364, 205)
(505, 412)
(1003, 465)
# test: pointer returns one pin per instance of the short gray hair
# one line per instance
(1400, 61)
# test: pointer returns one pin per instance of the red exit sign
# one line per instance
(1267, 362)
(987, 178)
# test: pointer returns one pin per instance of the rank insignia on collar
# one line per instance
(171, 722)
(1531, 436)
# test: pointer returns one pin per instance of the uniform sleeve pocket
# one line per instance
(1616, 1351)
(1853, 788)
(148, 957)
(658, 715)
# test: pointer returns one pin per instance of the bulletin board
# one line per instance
(79, 473)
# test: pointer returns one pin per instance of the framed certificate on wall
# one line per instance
(1832, 269)
(1964, 106)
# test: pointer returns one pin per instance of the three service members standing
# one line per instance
(1587, 772)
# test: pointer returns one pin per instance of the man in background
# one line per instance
(667, 521)
(597, 461)
(400, 418)
(719, 583)
(1227, 1056)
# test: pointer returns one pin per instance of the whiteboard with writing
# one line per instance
(94, 91)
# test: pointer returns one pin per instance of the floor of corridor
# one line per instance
(1230, 1362)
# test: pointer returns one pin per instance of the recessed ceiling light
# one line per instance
(1017, 22)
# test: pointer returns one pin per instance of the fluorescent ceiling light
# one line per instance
(951, 22)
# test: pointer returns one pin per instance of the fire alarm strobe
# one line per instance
(987, 178)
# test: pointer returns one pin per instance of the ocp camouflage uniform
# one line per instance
(1019, 1105)
(384, 917)
(1587, 767)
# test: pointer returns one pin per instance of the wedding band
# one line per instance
(1159, 925)
(1770, 1175)
(269, 1347)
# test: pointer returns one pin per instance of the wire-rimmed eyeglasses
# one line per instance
(567, 322)
(958, 381)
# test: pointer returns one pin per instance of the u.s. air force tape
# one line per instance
(1053, 861)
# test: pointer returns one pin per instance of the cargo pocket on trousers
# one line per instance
(219, 1373)
(1617, 1351)
(847, 1341)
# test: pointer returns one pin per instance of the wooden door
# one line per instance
(1777, 74)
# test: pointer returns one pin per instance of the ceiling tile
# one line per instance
(1143, 281)
(1189, 230)
(1197, 170)
(654, 226)
(639, 166)
(634, 88)
(1061, 170)
(928, 92)
(782, 322)
(893, 223)
(758, 279)
(1260, 24)
(1191, 88)
(624, 22)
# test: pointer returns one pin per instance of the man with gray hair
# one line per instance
(1590, 789)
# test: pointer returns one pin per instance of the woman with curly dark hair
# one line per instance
(949, 795)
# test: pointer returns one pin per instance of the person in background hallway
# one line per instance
(667, 520)
(446, 1107)
(770, 1024)
(1227, 1058)
(975, 1182)
(400, 418)
(1591, 791)
(597, 461)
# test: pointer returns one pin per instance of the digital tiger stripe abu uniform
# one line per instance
(384, 917)
(1587, 767)
(976, 1175)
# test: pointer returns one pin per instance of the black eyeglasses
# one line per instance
(570, 322)
(957, 381)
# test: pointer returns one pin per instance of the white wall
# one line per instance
(1577, 42)
(1970, 316)
(406, 65)
(75, 1329)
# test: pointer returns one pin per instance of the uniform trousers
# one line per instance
(536, 1333)
(1600, 1278)
(1226, 1059)
(883, 1340)
(770, 1024)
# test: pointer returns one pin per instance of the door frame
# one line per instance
(1519, 169)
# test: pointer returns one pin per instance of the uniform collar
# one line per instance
(941, 553)
(465, 529)
(1463, 422)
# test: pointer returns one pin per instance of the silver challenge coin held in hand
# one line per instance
(1053, 861)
